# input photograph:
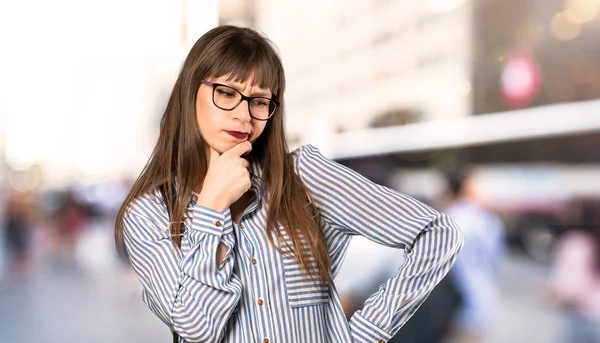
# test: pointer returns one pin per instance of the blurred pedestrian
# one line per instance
(575, 281)
(476, 269)
(17, 233)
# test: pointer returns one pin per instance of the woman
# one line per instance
(262, 232)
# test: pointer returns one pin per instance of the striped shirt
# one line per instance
(257, 294)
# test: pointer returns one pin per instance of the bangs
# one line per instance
(242, 59)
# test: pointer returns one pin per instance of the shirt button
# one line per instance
(266, 340)
(254, 261)
(260, 302)
(218, 223)
(241, 226)
(195, 198)
(381, 341)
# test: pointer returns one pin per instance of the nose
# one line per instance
(242, 112)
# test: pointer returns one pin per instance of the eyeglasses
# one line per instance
(227, 98)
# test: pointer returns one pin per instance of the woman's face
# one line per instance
(222, 129)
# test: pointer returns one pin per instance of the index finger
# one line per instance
(239, 149)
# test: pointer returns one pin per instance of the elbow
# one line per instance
(460, 241)
(455, 235)
(201, 322)
(194, 328)
(198, 338)
(197, 329)
(197, 333)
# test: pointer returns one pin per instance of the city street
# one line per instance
(65, 306)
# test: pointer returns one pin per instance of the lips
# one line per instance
(237, 134)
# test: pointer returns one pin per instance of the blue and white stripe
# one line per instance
(269, 301)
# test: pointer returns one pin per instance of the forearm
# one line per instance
(195, 294)
(427, 262)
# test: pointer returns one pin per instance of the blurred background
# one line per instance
(488, 110)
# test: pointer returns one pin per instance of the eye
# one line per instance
(260, 103)
(225, 93)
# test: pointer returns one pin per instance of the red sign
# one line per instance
(520, 80)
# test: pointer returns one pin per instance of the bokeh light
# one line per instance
(581, 11)
(562, 28)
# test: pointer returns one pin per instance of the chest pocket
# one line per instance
(303, 289)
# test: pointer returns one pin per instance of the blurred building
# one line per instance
(349, 62)
(535, 52)
(400, 90)
(395, 89)
(101, 85)
(237, 12)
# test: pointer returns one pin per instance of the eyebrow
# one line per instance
(237, 87)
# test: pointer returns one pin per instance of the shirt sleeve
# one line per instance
(193, 295)
(360, 207)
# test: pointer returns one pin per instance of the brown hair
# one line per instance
(179, 155)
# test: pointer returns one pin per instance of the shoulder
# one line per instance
(308, 159)
(306, 153)
(306, 148)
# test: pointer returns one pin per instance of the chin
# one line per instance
(219, 147)
(224, 147)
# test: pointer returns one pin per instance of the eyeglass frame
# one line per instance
(214, 85)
